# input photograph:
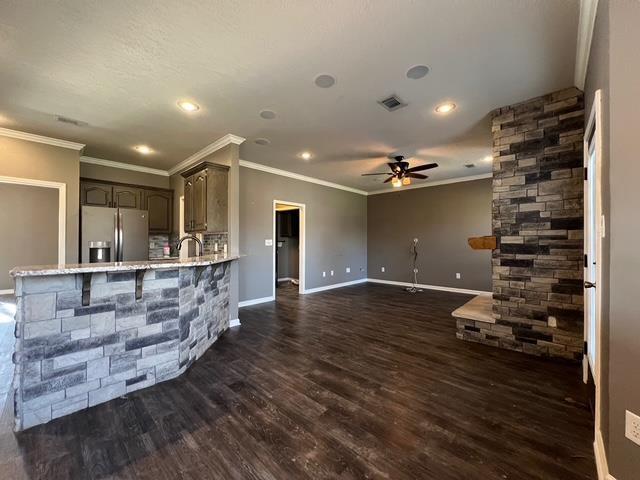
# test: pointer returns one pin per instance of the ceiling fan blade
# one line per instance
(422, 167)
(389, 179)
(416, 175)
(367, 174)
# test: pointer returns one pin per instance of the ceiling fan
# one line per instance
(401, 174)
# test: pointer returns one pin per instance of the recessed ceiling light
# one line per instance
(488, 158)
(418, 71)
(306, 155)
(325, 81)
(188, 106)
(445, 107)
(143, 149)
(262, 141)
(268, 114)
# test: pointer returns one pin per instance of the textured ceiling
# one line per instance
(121, 66)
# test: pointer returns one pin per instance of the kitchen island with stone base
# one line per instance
(86, 334)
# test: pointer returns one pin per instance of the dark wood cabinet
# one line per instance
(206, 198)
(157, 201)
(127, 197)
(96, 194)
(159, 204)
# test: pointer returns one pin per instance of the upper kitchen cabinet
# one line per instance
(95, 194)
(206, 198)
(127, 197)
(159, 204)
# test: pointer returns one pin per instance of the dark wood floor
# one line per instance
(361, 382)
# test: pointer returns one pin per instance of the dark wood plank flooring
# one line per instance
(361, 382)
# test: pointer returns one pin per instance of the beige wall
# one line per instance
(120, 175)
(30, 216)
(25, 159)
(442, 218)
(336, 231)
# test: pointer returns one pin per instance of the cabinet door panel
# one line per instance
(200, 202)
(188, 204)
(159, 204)
(95, 194)
(217, 201)
(127, 197)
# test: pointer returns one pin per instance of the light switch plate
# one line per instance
(458, 276)
(268, 242)
(382, 269)
(332, 273)
(324, 274)
(632, 427)
(348, 270)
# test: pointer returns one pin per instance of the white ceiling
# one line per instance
(122, 65)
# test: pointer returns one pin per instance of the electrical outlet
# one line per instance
(458, 276)
(268, 242)
(332, 273)
(348, 270)
(324, 274)
(382, 269)
(632, 427)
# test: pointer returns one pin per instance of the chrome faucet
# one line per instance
(191, 237)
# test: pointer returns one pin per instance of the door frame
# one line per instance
(62, 210)
(593, 132)
(301, 245)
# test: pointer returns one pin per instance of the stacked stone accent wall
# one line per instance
(538, 221)
(70, 357)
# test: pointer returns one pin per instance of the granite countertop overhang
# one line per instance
(69, 268)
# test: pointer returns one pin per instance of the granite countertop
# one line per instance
(41, 270)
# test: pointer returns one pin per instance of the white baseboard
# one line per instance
(335, 285)
(601, 458)
(286, 279)
(430, 287)
(234, 323)
(6, 292)
(255, 301)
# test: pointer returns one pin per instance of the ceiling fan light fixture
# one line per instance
(396, 182)
(406, 181)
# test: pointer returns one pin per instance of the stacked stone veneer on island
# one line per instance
(538, 221)
(69, 356)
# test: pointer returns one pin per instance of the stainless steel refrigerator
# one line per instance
(126, 230)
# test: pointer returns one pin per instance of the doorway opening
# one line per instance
(593, 234)
(288, 247)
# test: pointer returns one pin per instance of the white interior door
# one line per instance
(593, 233)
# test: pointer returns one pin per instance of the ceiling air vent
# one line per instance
(392, 103)
(469, 165)
(71, 121)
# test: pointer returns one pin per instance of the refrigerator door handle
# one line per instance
(116, 238)
(121, 233)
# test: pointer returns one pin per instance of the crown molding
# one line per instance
(123, 166)
(434, 184)
(32, 137)
(296, 176)
(208, 150)
(588, 10)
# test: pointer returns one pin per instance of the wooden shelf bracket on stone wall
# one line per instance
(483, 243)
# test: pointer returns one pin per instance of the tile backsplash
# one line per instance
(156, 244)
(158, 241)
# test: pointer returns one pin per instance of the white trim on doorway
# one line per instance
(586, 23)
(302, 248)
(62, 206)
(593, 136)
